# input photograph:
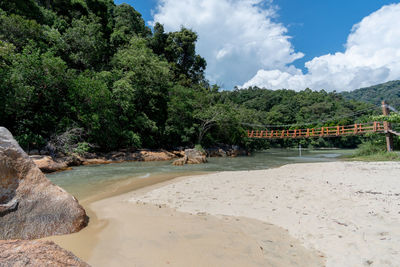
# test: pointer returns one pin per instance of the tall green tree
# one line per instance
(127, 24)
(37, 92)
(141, 90)
(18, 30)
(158, 42)
(180, 50)
(92, 108)
(84, 44)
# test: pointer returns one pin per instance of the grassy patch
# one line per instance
(383, 156)
(370, 151)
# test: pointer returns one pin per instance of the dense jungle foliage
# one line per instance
(94, 66)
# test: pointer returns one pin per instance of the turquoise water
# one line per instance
(85, 181)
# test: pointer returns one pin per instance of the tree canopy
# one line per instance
(96, 66)
(390, 92)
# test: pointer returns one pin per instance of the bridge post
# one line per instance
(387, 126)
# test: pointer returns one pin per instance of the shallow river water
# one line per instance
(94, 180)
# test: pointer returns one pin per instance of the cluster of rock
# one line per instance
(36, 253)
(31, 206)
(48, 164)
(226, 151)
(191, 156)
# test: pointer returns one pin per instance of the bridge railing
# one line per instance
(328, 131)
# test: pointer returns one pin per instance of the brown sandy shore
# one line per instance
(334, 214)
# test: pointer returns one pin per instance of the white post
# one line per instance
(300, 150)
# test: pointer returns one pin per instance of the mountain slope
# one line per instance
(390, 92)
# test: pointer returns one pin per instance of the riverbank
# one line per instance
(344, 213)
(61, 162)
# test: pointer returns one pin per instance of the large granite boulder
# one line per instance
(192, 156)
(161, 155)
(180, 162)
(36, 253)
(47, 165)
(30, 205)
(195, 156)
(216, 152)
(141, 155)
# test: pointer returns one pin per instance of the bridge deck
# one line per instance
(331, 131)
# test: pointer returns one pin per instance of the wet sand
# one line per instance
(149, 235)
(84, 242)
(122, 233)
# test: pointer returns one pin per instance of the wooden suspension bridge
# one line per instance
(332, 131)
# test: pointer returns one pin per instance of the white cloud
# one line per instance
(372, 56)
(237, 37)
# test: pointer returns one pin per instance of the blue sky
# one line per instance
(320, 27)
(315, 27)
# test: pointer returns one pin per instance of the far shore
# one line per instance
(317, 214)
(61, 162)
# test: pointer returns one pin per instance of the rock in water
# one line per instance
(30, 205)
(195, 156)
(181, 161)
(47, 165)
(192, 156)
(36, 253)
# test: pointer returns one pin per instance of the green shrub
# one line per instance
(370, 148)
(29, 141)
(82, 148)
(198, 147)
(374, 150)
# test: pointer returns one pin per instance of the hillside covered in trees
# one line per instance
(95, 70)
(390, 92)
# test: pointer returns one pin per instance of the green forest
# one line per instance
(390, 92)
(95, 66)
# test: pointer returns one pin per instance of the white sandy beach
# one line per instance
(350, 211)
(333, 214)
